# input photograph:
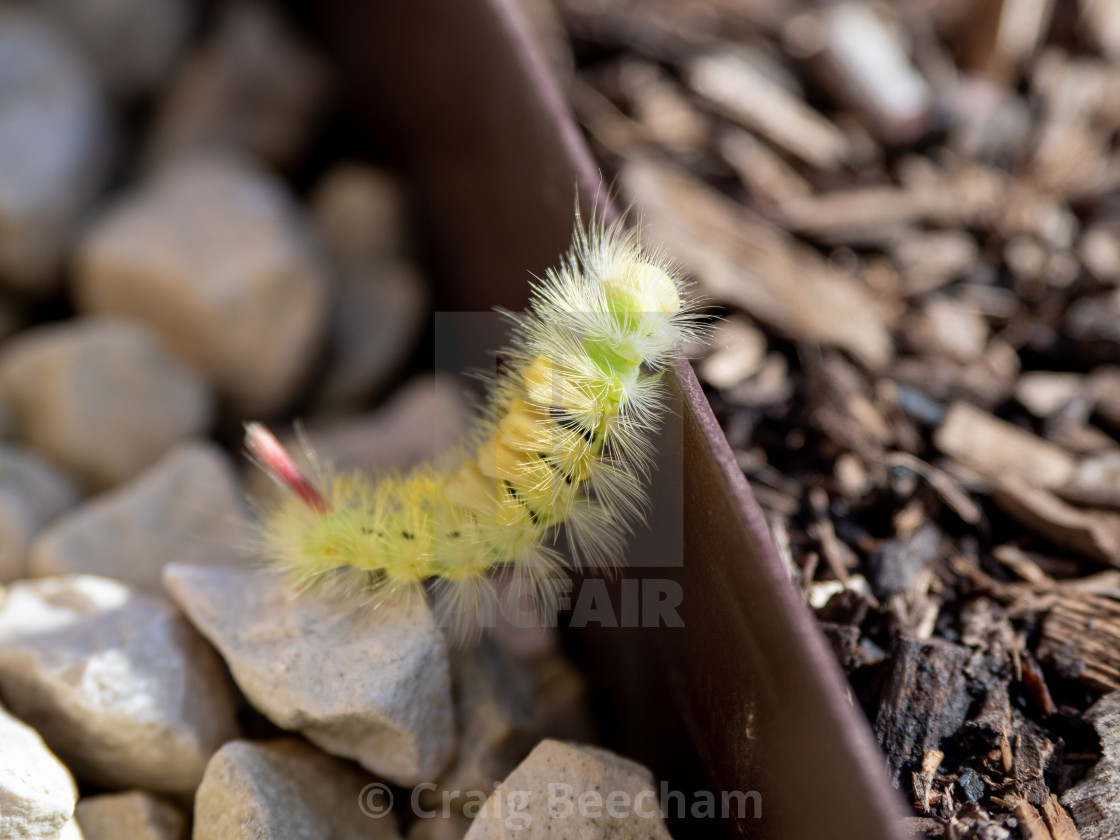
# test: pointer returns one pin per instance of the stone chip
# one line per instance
(248, 309)
(366, 683)
(32, 493)
(571, 790)
(186, 508)
(282, 789)
(132, 814)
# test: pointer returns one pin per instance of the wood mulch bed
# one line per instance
(909, 215)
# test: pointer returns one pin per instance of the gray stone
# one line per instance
(376, 320)
(286, 790)
(494, 701)
(439, 826)
(570, 790)
(32, 493)
(381, 303)
(361, 215)
(187, 508)
(214, 255)
(504, 707)
(101, 397)
(133, 814)
(361, 682)
(37, 793)
(133, 44)
(252, 86)
(118, 684)
(54, 141)
(426, 418)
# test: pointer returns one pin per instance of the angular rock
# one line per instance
(37, 793)
(132, 44)
(101, 397)
(186, 508)
(570, 790)
(253, 86)
(281, 789)
(32, 493)
(54, 141)
(117, 682)
(248, 309)
(366, 683)
(132, 814)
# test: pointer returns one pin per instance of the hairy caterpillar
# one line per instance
(564, 443)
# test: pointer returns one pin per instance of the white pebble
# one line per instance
(116, 682)
(37, 793)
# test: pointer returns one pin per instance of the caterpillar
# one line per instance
(563, 445)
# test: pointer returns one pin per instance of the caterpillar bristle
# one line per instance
(565, 441)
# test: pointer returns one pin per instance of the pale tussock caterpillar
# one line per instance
(564, 442)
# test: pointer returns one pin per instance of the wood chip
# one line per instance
(770, 180)
(925, 699)
(947, 327)
(998, 449)
(1042, 393)
(1096, 482)
(1081, 640)
(1031, 826)
(922, 779)
(944, 484)
(1101, 22)
(740, 258)
(928, 260)
(1059, 822)
(1095, 801)
(973, 196)
(669, 118)
(1094, 533)
(740, 352)
(859, 59)
(730, 81)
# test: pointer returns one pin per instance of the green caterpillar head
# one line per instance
(641, 287)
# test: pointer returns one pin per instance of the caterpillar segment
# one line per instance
(566, 443)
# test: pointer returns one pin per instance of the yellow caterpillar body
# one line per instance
(565, 443)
